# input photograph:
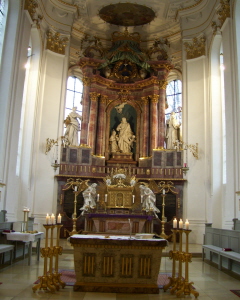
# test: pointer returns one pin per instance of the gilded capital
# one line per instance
(86, 81)
(31, 6)
(103, 99)
(224, 11)
(144, 100)
(196, 48)
(56, 42)
(154, 98)
(163, 84)
(94, 96)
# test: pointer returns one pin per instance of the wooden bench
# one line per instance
(215, 240)
(4, 249)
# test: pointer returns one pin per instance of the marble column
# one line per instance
(153, 122)
(85, 113)
(93, 120)
(145, 128)
(100, 143)
(161, 113)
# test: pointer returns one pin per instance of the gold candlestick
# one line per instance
(74, 217)
(186, 287)
(164, 219)
(172, 255)
(58, 251)
(45, 280)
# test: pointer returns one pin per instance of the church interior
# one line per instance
(119, 144)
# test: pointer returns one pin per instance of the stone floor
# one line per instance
(17, 280)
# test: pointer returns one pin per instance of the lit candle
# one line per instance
(105, 197)
(180, 224)
(97, 197)
(175, 223)
(163, 191)
(186, 224)
(47, 219)
(52, 219)
(133, 198)
(59, 219)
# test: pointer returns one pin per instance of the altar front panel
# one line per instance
(117, 264)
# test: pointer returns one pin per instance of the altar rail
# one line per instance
(222, 246)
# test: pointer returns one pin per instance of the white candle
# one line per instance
(133, 198)
(180, 224)
(141, 199)
(52, 219)
(75, 188)
(47, 219)
(175, 223)
(59, 219)
(186, 224)
(97, 197)
(105, 197)
(163, 191)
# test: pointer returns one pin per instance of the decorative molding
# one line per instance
(103, 99)
(31, 6)
(86, 81)
(224, 12)
(215, 28)
(56, 42)
(196, 48)
(163, 84)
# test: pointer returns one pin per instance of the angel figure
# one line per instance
(89, 196)
(148, 199)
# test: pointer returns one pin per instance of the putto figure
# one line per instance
(148, 200)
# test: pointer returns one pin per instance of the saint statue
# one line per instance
(113, 142)
(89, 196)
(73, 126)
(172, 131)
(148, 199)
(125, 136)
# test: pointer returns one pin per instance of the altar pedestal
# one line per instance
(117, 264)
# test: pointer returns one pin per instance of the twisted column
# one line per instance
(85, 103)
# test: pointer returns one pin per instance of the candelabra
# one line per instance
(74, 216)
(164, 219)
(50, 281)
(178, 284)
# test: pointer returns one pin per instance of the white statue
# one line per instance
(125, 136)
(148, 199)
(73, 126)
(172, 131)
(113, 142)
(89, 195)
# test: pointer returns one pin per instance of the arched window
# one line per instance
(174, 99)
(74, 95)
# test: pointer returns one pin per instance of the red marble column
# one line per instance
(85, 111)
(100, 143)
(145, 128)
(161, 113)
(93, 121)
(153, 122)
